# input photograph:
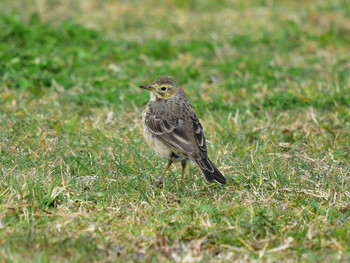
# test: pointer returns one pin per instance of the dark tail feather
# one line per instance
(210, 172)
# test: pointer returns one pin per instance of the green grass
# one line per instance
(270, 82)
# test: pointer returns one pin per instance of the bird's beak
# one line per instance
(147, 87)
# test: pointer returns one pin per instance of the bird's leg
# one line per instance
(183, 163)
(166, 169)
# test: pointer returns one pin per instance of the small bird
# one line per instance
(172, 129)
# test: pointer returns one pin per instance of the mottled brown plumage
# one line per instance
(173, 131)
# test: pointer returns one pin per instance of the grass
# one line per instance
(270, 82)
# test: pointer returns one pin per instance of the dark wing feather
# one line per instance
(171, 134)
(199, 135)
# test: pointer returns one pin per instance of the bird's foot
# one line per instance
(160, 184)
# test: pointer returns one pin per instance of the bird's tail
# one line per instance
(210, 172)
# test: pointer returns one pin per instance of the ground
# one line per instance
(270, 83)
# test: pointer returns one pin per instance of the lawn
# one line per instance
(270, 82)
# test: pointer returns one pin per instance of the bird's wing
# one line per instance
(172, 133)
(199, 136)
(177, 125)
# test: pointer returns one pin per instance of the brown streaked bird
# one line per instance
(173, 131)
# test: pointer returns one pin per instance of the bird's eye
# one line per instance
(163, 88)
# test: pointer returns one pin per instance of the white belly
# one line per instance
(160, 149)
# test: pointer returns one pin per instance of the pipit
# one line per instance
(173, 131)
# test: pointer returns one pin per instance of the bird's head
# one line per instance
(163, 88)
